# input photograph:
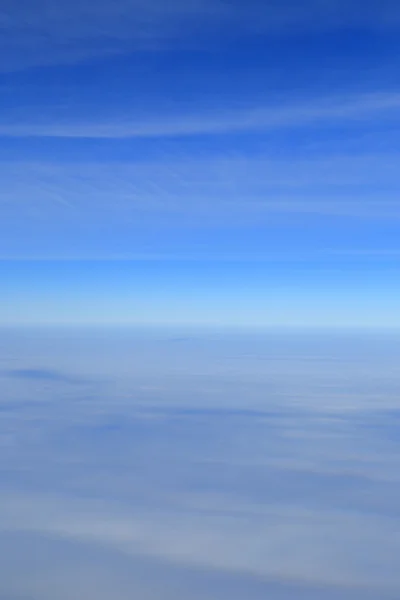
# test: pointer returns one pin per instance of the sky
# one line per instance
(200, 162)
(216, 184)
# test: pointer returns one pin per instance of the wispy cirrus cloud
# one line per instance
(47, 32)
(227, 189)
(256, 118)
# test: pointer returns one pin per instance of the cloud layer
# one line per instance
(240, 466)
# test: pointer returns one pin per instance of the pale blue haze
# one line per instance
(165, 463)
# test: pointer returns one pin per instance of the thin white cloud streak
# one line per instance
(268, 257)
(56, 33)
(368, 252)
(358, 107)
(48, 32)
(250, 543)
(227, 190)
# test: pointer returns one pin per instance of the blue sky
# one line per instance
(200, 162)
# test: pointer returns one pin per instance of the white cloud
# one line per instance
(299, 493)
(358, 107)
(226, 189)
(276, 541)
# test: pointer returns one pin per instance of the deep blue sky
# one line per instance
(200, 161)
